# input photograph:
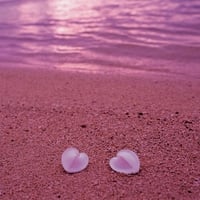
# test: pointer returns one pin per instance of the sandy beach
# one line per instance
(42, 112)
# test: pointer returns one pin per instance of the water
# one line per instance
(102, 36)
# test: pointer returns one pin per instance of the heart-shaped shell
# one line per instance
(126, 162)
(73, 161)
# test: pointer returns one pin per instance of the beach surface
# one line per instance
(43, 112)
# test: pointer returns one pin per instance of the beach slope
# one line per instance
(42, 112)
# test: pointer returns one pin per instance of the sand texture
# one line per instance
(43, 112)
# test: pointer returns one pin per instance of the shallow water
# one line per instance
(102, 36)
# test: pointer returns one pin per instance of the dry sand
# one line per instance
(44, 112)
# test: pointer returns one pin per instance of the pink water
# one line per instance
(102, 36)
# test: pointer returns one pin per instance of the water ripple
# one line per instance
(103, 33)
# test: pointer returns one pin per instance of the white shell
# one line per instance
(126, 162)
(73, 161)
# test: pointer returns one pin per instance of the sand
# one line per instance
(42, 112)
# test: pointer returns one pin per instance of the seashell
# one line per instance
(73, 161)
(126, 162)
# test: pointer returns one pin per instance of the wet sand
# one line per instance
(43, 112)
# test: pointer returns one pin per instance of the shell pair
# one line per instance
(126, 161)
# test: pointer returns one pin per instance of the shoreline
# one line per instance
(42, 112)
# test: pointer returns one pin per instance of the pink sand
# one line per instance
(44, 112)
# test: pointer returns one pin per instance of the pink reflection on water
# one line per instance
(99, 33)
(74, 9)
(58, 19)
